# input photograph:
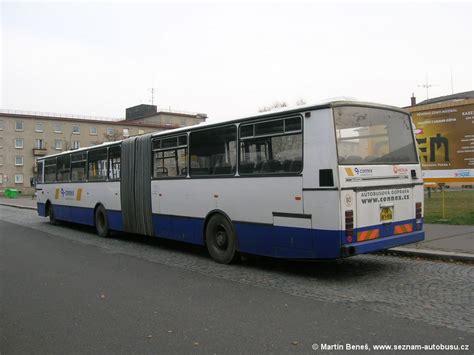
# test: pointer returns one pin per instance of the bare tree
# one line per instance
(275, 105)
(112, 137)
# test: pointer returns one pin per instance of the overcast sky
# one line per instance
(228, 60)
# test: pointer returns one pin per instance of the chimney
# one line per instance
(413, 99)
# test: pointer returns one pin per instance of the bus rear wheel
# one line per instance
(220, 239)
(101, 223)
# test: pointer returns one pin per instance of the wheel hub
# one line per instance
(221, 239)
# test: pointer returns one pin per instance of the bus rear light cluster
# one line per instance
(418, 216)
(349, 225)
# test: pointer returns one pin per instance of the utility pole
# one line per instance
(452, 86)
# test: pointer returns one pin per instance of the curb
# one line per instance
(18, 206)
(431, 254)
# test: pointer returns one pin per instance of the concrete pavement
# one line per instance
(442, 241)
(68, 291)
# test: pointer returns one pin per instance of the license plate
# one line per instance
(386, 214)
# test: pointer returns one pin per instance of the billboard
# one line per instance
(445, 139)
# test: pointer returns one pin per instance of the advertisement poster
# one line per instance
(445, 139)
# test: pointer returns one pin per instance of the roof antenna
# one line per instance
(426, 86)
(152, 91)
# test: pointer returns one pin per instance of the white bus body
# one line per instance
(354, 191)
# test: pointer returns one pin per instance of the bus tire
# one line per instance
(51, 215)
(220, 239)
(101, 223)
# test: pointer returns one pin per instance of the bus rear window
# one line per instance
(373, 136)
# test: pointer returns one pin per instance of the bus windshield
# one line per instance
(373, 136)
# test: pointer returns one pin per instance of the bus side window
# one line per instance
(97, 165)
(63, 171)
(78, 166)
(271, 147)
(39, 172)
(170, 157)
(114, 162)
(50, 170)
(213, 151)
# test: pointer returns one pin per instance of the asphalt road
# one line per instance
(64, 290)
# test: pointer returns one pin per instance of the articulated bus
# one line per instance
(318, 182)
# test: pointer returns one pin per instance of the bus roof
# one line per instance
(284, 111)
(268, 114)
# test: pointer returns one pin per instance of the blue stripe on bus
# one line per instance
(115, 220)
(41, 208)
(253, 238)
(185, 229)
(287, 242)
(81, 215)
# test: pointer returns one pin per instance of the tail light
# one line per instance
(349, 225)
(418, 216)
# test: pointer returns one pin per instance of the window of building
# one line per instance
(97, 165)
(57, 127)
(1, 125)
(39, 143)
(166, 121)
(19, 143)
(39, 127)
(78, 166)
(141, 131)
(1, 159)
(50, 170)
(126, 133)
(110, 131)
(114, 162)
(63, 169)
(93, 130)
(1, 178)
(18, 125)
(272, 147)
(1, 142)
(170, 157)
(18, 178)
(213, 151)
(19, 160)
(76, 129)
(58, 144)
(183, 122)
(76, 144)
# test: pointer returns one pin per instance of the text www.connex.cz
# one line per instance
(385, 199)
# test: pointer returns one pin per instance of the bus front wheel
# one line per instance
(51, 215)
(220, 239)
(101, 223)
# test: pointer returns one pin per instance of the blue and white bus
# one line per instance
(317, 182)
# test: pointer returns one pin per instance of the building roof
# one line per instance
(173, 113)
(83, 120)
(459, 96)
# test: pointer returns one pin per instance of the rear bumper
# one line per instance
(381, 243)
